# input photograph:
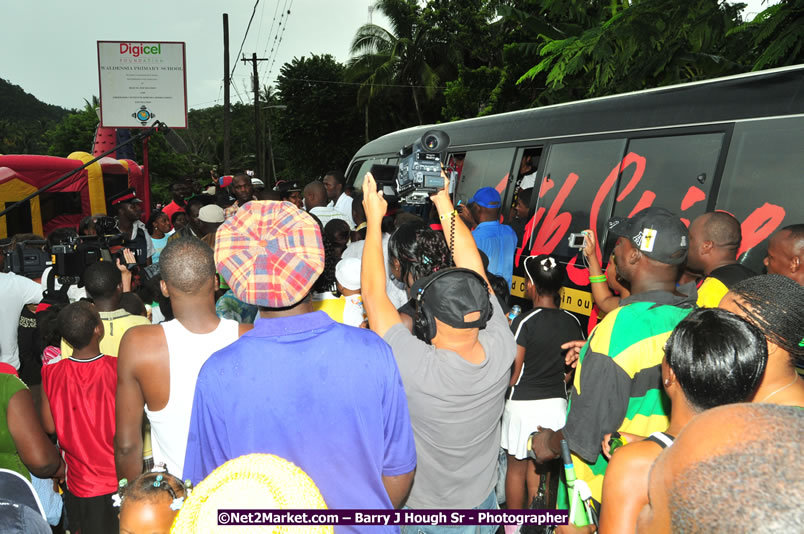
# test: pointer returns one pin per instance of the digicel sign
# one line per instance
(137, 49)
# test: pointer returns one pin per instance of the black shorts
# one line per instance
(93, 515)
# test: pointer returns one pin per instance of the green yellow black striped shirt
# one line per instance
(618, 381)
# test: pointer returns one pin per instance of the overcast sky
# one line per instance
(48, 47)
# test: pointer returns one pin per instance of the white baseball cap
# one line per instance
(347, 273)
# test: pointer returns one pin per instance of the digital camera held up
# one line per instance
(418, 174)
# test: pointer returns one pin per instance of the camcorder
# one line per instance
(27, 258)
(418, 174)
(72, 256)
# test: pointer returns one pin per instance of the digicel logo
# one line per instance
(137, 49)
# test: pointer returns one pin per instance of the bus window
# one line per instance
(763, 153)
(573, 191)
(673, 172)
(359, 170)
(484, 168)
(525, 179)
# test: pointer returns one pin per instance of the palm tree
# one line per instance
(401, 56)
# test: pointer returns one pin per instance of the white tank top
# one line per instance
(187, 352)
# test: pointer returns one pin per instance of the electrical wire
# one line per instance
(253, 11)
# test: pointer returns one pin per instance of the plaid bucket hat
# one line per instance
(270, 253)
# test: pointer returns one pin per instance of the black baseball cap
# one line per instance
(656, 232)
(451, 294)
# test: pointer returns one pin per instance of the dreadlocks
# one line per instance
(774, 304)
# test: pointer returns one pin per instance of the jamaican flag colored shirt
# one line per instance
(618, 380)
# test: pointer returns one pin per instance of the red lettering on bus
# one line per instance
(762, 222)
(607, 185)
(645, 201)
(555, 224)
(693, 196)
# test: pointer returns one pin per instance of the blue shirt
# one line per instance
(498, 242)
(325, 396)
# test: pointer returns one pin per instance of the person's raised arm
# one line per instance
(462, 244)
(381, 313)
(604, 298)
(129, 406)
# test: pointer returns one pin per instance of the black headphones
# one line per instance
(424, 325)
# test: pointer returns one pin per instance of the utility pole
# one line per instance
(260, 151)
(227, 119)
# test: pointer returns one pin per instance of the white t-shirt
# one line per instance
(326, 214)
(17, 291)
(344, 205)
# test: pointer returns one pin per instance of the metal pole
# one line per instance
(258, 122)
(271, 151)
(227, 120)
(146, 180)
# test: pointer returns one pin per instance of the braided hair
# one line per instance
(546, 274)
(420, 250)
(151, 487)
(774, 304)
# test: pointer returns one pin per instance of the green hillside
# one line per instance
(24, 120)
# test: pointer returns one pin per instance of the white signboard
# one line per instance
(141, 83)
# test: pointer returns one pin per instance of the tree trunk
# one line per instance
(416, 103)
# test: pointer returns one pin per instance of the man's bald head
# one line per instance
(714, 239)
(315, 195)
(786, 253)
(734, 468)
(187, 264)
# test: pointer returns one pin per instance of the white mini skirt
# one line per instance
(521, 418)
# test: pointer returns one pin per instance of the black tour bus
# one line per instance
(734, 144)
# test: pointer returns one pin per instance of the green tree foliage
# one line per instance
(75, 132)
(320, 129)
(637, 44)
(406, 55)
(776, 35)
(25, 120)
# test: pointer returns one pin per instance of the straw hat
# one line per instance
(253, 481)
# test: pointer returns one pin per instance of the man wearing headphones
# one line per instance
(455, 369)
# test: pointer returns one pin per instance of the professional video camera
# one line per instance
(27, 258)
(71, 255)
(76, 253)
(418, 174)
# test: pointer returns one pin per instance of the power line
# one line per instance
(271, 30)
(278, 36)
(259, 26)
(359, 83)
(281, 36)
(253, 11)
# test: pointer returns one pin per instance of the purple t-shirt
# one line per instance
(325, 396)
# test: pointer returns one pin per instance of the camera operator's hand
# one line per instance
(442, 195)
(124, 272)
(374, 203)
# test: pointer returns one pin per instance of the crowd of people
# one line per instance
(378, 351)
